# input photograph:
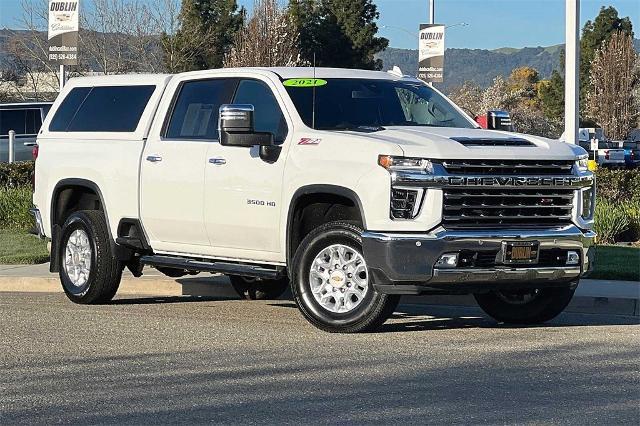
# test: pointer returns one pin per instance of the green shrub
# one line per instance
(611, 221)
(14, 208)
(16, 174)
(633, 213)
(618, 186)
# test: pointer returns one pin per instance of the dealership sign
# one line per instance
(431, 53)
(63, 32)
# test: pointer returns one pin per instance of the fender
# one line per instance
(320, 189)
(120, 252)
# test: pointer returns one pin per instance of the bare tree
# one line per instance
(614, 75)
(268, 38)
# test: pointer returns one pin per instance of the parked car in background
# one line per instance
(25, 119)
(609, 153)
(631, 154)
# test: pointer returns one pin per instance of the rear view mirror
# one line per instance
(236, 125)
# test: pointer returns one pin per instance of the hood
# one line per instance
(455, 143)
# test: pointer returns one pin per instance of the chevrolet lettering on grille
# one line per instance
(514, 181)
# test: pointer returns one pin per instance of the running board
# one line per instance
(193, 265)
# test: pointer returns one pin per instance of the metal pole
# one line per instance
(12, 142)
(432, 11)
(572, 75)
(62, 77)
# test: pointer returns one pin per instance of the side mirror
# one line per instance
(236, 126)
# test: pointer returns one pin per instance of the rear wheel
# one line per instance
(258, 288)
(89, 272)
(527, 306)
(331, 282)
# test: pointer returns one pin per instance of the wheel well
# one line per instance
(313, 210)
(69, 199)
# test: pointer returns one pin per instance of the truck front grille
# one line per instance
(499, 207)
(508, 167)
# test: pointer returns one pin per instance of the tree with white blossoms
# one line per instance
(269, 38)
(614, 79)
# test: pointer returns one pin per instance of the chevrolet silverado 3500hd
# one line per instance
(353, 187)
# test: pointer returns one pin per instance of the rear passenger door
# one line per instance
(173, 166)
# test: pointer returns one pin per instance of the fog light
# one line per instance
(573, 258)
(448, 260)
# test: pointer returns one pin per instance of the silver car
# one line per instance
(25, 119)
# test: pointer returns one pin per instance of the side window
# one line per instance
(12, 119)
(268, 115)
(195, 113)
(68, 108)
(112, 109)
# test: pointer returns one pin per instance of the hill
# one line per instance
(480, 65)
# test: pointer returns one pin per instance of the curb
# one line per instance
(218, 287)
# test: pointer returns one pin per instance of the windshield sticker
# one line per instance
(309, 141)
(304, 82)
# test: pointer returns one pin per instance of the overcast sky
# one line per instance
(491, 23)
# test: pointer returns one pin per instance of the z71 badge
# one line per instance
(309, 141)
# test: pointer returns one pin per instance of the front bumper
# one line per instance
(404, 263)
(39, 225)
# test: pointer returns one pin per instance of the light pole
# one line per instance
(432, 11)
(572, 76)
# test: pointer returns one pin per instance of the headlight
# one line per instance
(403, 163)
(583, 163)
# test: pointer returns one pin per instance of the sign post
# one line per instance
(572, 75)
(431, 53)
(63, 34)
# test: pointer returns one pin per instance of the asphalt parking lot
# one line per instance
(193, 360)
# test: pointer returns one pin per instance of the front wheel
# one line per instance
(527, 306)
(331, 283)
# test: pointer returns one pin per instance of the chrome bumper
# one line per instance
(403, 263)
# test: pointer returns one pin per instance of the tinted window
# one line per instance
(111, 109)
(195, 114)
(268, 115)
(33, 121)
(12, 119)
(343, 104)
(68, 109)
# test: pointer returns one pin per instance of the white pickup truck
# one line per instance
(353, 187)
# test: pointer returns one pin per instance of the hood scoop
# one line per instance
(493, 141)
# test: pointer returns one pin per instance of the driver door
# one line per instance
(243, 193)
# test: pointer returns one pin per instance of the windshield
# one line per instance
(361, 104)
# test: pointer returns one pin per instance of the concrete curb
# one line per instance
(624, 300)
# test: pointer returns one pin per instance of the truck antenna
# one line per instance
(313, 105)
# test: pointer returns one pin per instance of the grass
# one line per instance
(20, 247)
(617, 263)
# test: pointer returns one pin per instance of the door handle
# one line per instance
(217, 161)
(154, 158)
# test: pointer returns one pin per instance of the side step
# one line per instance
(193, 265)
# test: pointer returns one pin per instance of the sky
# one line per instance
(491, 23)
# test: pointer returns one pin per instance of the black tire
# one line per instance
(257, 288)
(105, 271)
(544, 305)
(374, 309)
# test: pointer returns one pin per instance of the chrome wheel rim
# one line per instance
(339, 278)
(77, 258)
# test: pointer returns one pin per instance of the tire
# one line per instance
(257, 288)
(90, 240)
(362, 310)
(524, 307)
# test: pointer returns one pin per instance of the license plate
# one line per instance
(523, 252)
